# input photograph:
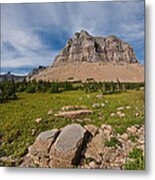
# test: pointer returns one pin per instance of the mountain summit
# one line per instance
(98, 58)
(86, 48)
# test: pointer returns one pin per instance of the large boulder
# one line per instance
(67, 148)
(39, 151)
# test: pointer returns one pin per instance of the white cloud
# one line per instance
(20, 23)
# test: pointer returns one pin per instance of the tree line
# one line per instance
(10, 88)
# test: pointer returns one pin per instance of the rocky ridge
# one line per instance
(84, 47)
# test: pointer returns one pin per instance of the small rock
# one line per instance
(140, 141)
(141, 88)
(132, 129)
(88, 96)
(68, 108)
(142, 147)
(106, 101)
(92, 129)
(137, 114)
(99, 95)
(50, 112)
(38, 120)
(106, 130)
(77, 120)
(112, 115)
(87, 119)
(102, 104)
(27, 161)
(120, 108)
(127, 107)
(95, 105)
(92, 164)
(124, 136)
(122, 115)
(33, 132)
(119, 113)
(105, 126)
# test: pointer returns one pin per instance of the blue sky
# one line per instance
(33, 34)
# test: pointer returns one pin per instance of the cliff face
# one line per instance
(100, 58)
(86, 48)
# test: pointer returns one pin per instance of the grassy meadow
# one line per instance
(17, 117)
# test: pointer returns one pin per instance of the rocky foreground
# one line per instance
(84, 147)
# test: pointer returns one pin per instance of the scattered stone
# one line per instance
(127, 107)
(92, 164)
(33, 132)
(124, 136)
(137, 114)
(8, 159)
(27, 162)
(106, 101)
(87, 120)
(118, 113)
(107, 131)
(102, 104)
(105, 126)
(99, 95)
(122, 115)
(38, 120)
(92, 129)
(131, 130)
(77, 120)
(95, 105)
(68, 108)
(112, 114)
(88, 96)
(141, 146)
(120, 108)
(141, 88)
(73, 114)
(50, 112)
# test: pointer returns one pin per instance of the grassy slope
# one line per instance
(17, 118)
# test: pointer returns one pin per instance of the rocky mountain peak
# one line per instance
(81, 34)
(84, 47)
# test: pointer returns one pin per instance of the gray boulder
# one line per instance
(68, 147)
(39, 151)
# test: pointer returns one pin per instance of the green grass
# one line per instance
(113, 142)
(136, 160)
(17, 117)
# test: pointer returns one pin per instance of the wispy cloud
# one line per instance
(33, 34)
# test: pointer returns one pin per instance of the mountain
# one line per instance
(8, 76)
(86, 48)
(35, 71)
(98, 58)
